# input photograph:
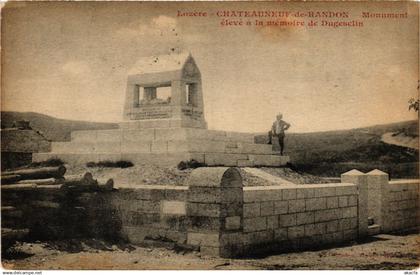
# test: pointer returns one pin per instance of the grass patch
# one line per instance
(110, 164)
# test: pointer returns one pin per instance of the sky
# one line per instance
(70, 60)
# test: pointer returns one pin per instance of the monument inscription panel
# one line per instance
(194, 114)
(152, 112)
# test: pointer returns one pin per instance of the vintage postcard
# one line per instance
(210, 135)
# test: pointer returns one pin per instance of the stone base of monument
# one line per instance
(164, 146)
(163, 123)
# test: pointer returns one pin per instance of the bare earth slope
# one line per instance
(400, 139)
(335, 152)
(52, 128)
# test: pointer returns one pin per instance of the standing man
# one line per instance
(277, 130)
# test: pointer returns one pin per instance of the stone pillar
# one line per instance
(377, 182)
(136, 96)
(177, 92)
(358, 178)
(177, 98)
(215, 211)
(199, 95)
(129, 99)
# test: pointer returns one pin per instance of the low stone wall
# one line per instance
(205, 216)
(51, 213)
(137, 215)
(402, 208)
(215, 211)
(151, 213)
(297, 217)
(216, 215)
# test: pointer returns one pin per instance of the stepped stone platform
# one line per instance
(163, 131)
(164, 146)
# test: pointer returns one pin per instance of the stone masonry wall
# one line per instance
(218, 216)
(165, 147)
(402, 208)
(215, 211)
(205, 216)
(152, 213)
(302, 216)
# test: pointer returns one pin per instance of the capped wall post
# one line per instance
(377, 182)
(356, 177)
(215, 211)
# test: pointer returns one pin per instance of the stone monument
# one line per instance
(184, 108)
(163, 123)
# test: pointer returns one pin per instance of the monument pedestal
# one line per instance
(164, 131)
(164, 146)
(162, 123)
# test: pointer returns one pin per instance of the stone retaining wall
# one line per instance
(218, 216)
(301, 216)
(401, 210)
(150, 213)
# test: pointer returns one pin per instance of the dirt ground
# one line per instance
(382, 252)
(153, 174)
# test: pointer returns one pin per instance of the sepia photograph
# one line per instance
(221, 135)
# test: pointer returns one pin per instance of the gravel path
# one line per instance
(274, 180)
